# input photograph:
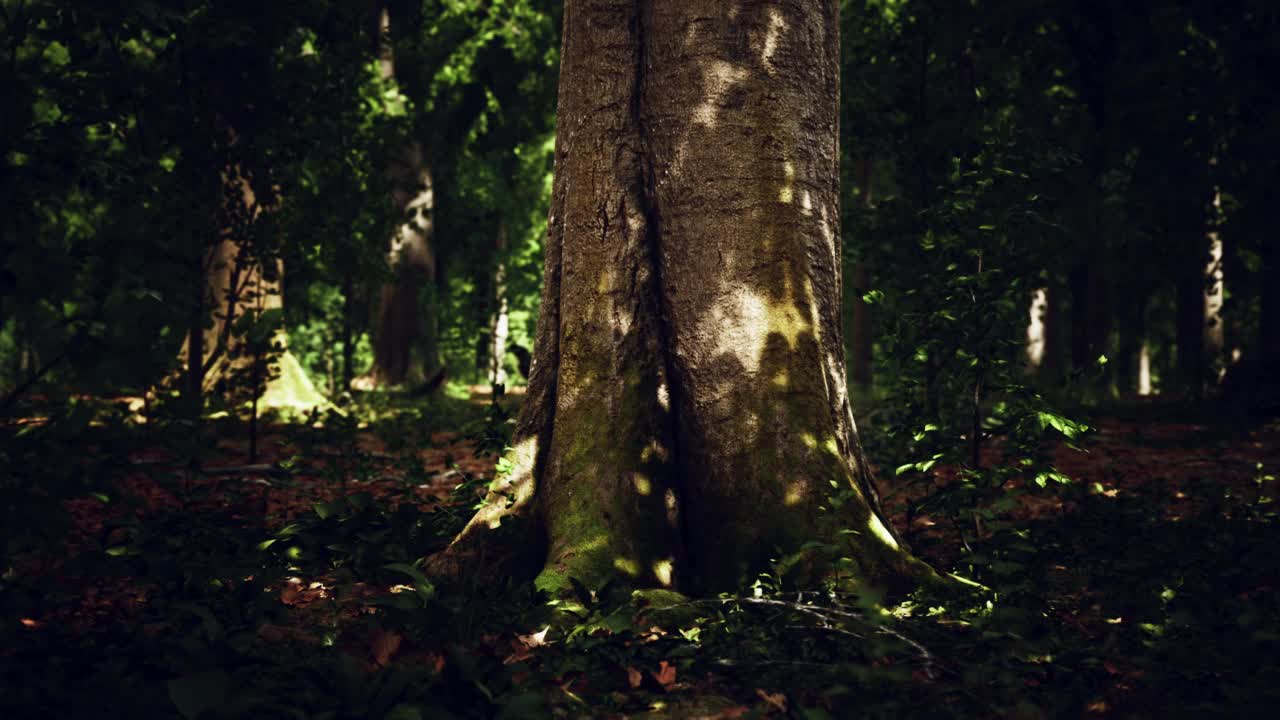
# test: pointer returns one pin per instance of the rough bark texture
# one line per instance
(405, 339)
(405, 343)
(687, 412)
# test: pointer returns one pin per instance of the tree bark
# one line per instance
(1037, 310)
(499, 320)
(1214, 328)
(405, 330)
(687, 413)
(405, 338)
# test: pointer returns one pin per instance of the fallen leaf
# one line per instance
(537, 639)
(776, 700)
(666, 674)
(634, 677)
(383, 645)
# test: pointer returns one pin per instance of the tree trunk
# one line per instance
(687, 413)
(1051, 362)
(235, 283)
(1214, 329)
(1038, 309)
(405, 341)
(1190, 322)
(404, 331)
(499, 321)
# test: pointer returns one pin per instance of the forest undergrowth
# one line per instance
(158, 573)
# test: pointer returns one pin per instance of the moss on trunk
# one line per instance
(688, 423)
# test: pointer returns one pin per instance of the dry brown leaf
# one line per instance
(383, 645)
(775, 700)
(666, 674)
(634, 677)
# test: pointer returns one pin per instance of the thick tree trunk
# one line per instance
(235, 283)
(405, 338)
(687, 414)
(405, 346)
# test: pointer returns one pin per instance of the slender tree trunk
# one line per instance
(1133, 361)
(499, 321)
(1036, 340)
(1051, 363)
(348, 318)
(691, 307)
(1214, 294)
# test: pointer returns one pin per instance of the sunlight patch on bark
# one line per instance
(1035, 328)
(786, 193)
(795, 495)
(776, 26)
(880, 531)
(516, 485)
(664, 571)
(627, 566)
(743, 322)
(718, 80)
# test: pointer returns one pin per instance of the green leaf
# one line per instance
(196, 694)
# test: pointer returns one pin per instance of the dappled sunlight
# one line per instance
(515, 488)
(789, 177)
(743, 322)
(627, 566)
(718, 79)
(772, 34)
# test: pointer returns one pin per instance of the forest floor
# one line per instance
(162, 572)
